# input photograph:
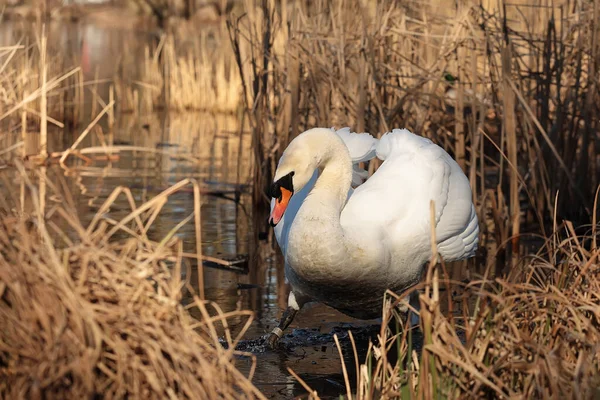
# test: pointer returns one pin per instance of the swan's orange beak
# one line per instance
(280, 205)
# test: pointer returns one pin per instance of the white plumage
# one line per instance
(344, 247)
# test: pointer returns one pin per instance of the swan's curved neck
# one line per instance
(335, 177)
(316, 236)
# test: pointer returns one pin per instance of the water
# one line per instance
(223, 148)
(227, 231)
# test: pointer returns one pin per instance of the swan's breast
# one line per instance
(315, 251)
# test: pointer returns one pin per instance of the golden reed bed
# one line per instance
(82, 315)
(534, 334)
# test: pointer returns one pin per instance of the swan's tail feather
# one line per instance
(399, 140)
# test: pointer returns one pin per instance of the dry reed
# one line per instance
(34, 91)
(534, 334)
(84, 313)
(521, 128)
(518, 117)
(191, 73)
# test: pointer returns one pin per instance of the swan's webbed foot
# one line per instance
(273, 339)
(286, 320)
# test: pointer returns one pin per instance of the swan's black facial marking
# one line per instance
(283, 182)
(282, 190)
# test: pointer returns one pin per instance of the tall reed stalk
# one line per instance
(516, 115)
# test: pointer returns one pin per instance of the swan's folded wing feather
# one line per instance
(414, 172)
(396, 199)
(464, 244)
(362, 146)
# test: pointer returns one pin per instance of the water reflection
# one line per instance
(215, 150)
(226, 232)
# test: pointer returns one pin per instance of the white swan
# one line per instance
(344, 247)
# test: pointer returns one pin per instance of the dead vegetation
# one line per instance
(84, 314)
(195, 74)
(533, 334)
(511, 91)
(516, 111)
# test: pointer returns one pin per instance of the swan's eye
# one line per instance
(275, 190)
(284, 182)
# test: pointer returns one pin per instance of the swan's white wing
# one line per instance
(361, 146)
(395, 201)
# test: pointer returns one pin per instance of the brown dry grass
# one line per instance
(534, 334)
(85, 314)
(519, 120)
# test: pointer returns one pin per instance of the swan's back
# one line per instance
(395, 202)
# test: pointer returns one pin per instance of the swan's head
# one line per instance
(296, 167)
